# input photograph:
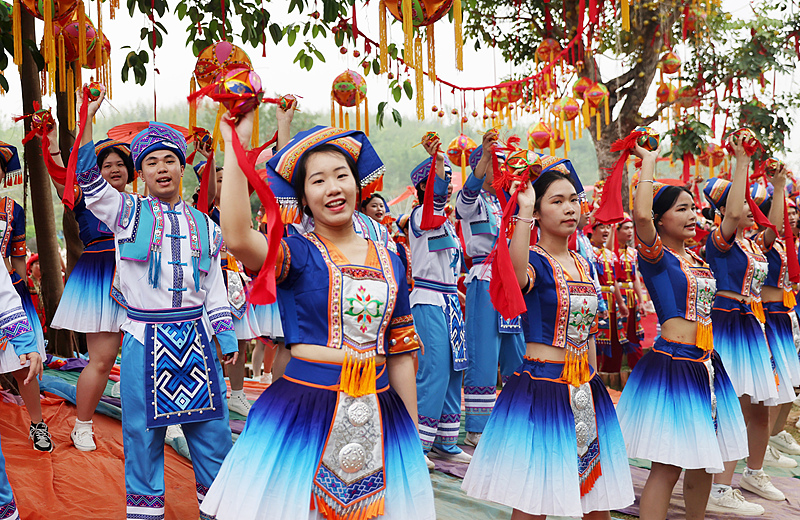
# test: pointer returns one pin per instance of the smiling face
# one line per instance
(161, 172)
(375, 209)
(330, 189)
(559, 209)
(680, 221)
(114, 171)
(600, 234)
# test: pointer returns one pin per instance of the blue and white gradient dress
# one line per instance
(12, 244)
(679, 406)
(553, 447)
(313, 447)
(90, 303)
(17, 338)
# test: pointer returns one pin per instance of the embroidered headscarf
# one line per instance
(716, 191)
(157, 136)
(9, 159)
(420, 172)
(121, 149)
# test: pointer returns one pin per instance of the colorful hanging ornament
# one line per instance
(238, 90)
(595, 96)
(581, 86)
(547, 50)
(350, 90)
(670, 63)
(458, 152)
(748, 139)
(666, 93)
(648, 138)
(539, 136)
(686, 96)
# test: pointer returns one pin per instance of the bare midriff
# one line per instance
(323, 354)
(771, 294)
(734, 295)
(680, 330)
(544, 352)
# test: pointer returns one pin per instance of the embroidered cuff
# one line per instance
(228, 344)
(18, 248)
(531, 278)
(282, 263)
(650, 253)
(440, 187)
(86, 168)
(471, 189)
(720, 243)
(402, 340)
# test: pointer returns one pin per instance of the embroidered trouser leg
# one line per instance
(486, 346)
(208, 442)
(438, 385)
(8, 508)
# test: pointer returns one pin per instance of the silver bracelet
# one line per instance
(646, 180)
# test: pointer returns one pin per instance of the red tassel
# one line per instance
(610, 210)
(429, 219)
(262, 290)
(791, 248)
(72, 165)
(503, 288)
(205, 179)
(688, 162)
(758, 216)
(58, 173)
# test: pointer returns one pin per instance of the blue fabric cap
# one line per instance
(157, 136)
(476, 155)
(420, 173)
(198, 169)
(716, 191)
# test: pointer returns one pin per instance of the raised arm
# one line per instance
(643, 198)
(519, 247)
(55, 153)
(734, 208)
(246, 243)
(778, 202)
(284, 118)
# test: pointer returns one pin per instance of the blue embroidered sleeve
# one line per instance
(440, 188)
(228, 344)
(216, 238)
(87, 169)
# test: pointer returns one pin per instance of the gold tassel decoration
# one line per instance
(458, 23)
(358, 109)
(17, 30)
(552, 146)
(341, 116)
(113, 8)
(347, 120)
(572, 124)
(598, 125)
(626, 16)
(216, 134)
(383, 37)
(606, 110)
(789, 299)
(408, 33)
(463, 166)
(180, 188)
(431, 54)
(192, 105)
(576, 366)
(758, 309)
(419, 77)
(49, 46)
(333, 112)
(81, 35)
(358, 373)
(62, 64)
(254, 138)
(366, 116)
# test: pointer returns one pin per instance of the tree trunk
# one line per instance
(42, 202)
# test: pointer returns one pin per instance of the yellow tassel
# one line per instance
(626, 16)
(408, 33)
(366, 116)
(758, 310)
(347, 120)
(70, 99)
(17, 30)
(606, 110)
(254, 139)
(192, 105)
(572, 125)
(62, 64)
(180, 188)
(598, 125)
(419, 76)
(431, 54)
(463, 166)
(216, 135)
(552, 146)
(457, 21)
(358, 109)
(81, 35)
(341, 117)
(333, 112)
(576, 367)
(233, 265)
(136, 184)
(788, 298)
(586, 116)
(383, 38)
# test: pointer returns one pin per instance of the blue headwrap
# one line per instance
(476, 155)
(157, 136)
(420, 173)
(10, 159)
(716, 191)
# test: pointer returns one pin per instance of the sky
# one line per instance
(279, 75)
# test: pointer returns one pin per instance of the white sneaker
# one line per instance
(473, 438)
(83, 439)
(239, 404)
(785, 442)
(266, 378)
(797, 424)
(429, 463)
(777, 459)
(461, 457)
(732, 501)
(760, 484)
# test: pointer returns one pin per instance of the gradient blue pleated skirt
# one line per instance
(666, 411)
(9, 361)
(741, 343)
(269, 473)
(781, 336)
(86, 304)
(527, 457)
(268, 318)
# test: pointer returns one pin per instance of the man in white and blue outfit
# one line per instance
(435, 266)
(169, 271)
(490, 338)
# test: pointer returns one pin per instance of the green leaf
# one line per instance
(319, 55)
(309, 62)
(181, 10)
(397, 93)
(376, 66)
(379, 115)
(276, 32)
(291, 36)
(397, 117)
(408, 88)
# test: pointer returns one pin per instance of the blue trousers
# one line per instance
(208, 441)
(8, 508)
(438, 384)
(486, 347)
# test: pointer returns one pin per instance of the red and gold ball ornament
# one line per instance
(548, 49)
(649, 140)
(42, 121)
(596, 94)
(772, 165)
(460, 148)
(748, 139)
(539, 135)
(666, 93)
(349, 88)
(496, 100)
(288, 102)
(713, 155)
(239, 90)
(523, 165)
(58, 8)
(95, 89)
(581, 86)
(424, 12)
(686, 96)
(217, 59)
(670, 63)
(567, 106)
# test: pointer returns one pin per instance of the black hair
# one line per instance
(766, 206)
(668, 197)
(709, 213)
(369, 198)
(420, 191)
(543, 183)
(301, 172)
(126, 160)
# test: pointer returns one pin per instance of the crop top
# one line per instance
(12, 228)
(678, 288)
(561, 312)
(92, 230)
(778, 270)
(325, 300)
(735, 267)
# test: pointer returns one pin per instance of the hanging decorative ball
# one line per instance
(105, 53)
(568, 106)
(424, 12)
(217, 58)
(649, 140)
(485, 117)
(558, 139)
(748, 139)
(287, 102)
(514, 92)
(686, 96)
(666, 93)
(454, 111)
(460, 144)
(239, 90)
(440, 113)
(343, 50)
(349, 88)
(390, 75)
(434, 108)
(581, 86)
(548, 49)
(474, 113)
(465, 119)
(670, 63)
(713, 155)
(95, 90)
(596, 95)
(71, 30)
(59, 8)
(496, 99)
(539, 135)
(356, 53)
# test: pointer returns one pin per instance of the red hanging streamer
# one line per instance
(791, 248)
(263, 289)
(610, 210)
(688, 162)
(429, 219)
(72, 164)
(58, 173)
(205, 179)
(504, 289)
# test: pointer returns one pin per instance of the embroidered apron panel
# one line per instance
(511, 326)
(582, 311)
(455, 326)
(586, 435)
(364, 296)
(184, 384)
(236, 293)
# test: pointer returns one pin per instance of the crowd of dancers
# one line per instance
(382, 323)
